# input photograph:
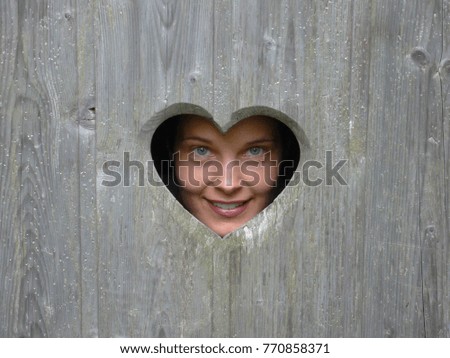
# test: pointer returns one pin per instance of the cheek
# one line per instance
(266, 178)
(189, 192)
(189, 178)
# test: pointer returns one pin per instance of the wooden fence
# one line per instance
(82, 82)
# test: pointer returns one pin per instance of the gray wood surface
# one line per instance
(40, 231)
(83, 82)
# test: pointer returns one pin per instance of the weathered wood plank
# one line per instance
(116, 75)
(39, 233)
(255, 46)
(261, 260)
(443, 245)
(405, 40)
(10, 159)
(190, 38)
(181, 257)
(84, 17)
(222, 78)
(329, 264)
(165, 62)
(224, 105)
(432, 182)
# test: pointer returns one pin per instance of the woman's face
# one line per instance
(226, 179)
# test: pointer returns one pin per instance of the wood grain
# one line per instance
(41, 217)
(40, 232)
(432, 181)
(443, 246)
(398, 109)
(84, 18)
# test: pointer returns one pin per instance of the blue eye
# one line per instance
(201, 151)
(254, 151)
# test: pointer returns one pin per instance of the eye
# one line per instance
(255, 151)
(201, 151)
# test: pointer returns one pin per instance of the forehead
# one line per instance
(252, 127)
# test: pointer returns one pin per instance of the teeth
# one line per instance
(227, 206)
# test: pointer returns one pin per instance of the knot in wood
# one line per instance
(87, 118)
(388, 332)
(269, 43)
(444, 68)
(430, 235)
(421, 57)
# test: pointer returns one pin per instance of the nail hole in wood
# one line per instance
(91, 114)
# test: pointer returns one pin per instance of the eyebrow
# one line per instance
(206, 140)
(199, 139)
(262, 140)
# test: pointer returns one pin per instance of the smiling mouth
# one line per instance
(228, 210)
(228, 206)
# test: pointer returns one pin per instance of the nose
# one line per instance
(230, 176)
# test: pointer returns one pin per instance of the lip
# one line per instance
(228, 213)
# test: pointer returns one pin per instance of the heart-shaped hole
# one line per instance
(225, 178)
